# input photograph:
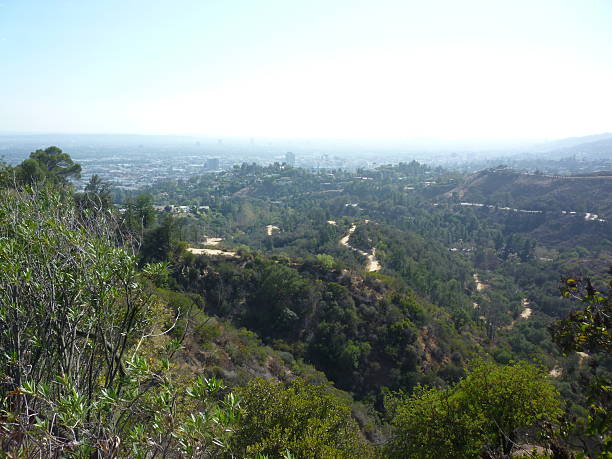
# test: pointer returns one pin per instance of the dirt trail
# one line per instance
(479, 285)
(479, 288)
(372, 264)
(526, 313)
(219, 252)
(345, 239)
(556, 372)
(588, 216)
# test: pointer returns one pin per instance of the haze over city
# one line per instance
(438, 71)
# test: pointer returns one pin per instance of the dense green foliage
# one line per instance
(431, 247)
(85, 364)
(588, 331)
(304, 419)
(77, 324)
(363, 332)
(116, 327)
(50, 165)
(485, 412)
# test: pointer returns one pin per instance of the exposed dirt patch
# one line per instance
(212, 252)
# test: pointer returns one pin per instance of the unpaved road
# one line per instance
(372, 264)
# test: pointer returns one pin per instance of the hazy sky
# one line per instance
(455, 69)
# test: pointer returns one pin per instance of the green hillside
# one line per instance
(287, 313)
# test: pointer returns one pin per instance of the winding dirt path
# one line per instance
(372, 264)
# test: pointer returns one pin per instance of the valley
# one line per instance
(389, 284)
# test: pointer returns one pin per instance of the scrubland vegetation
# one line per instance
(117, 341)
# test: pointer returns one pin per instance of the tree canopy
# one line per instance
(306, 420)
(485, 412)
(50, 165)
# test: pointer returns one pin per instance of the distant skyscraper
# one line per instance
(290, 158)
(212, 163)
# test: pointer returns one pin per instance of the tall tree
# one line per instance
(48, 165)
(57, 165)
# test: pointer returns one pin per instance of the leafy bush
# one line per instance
(82, 367)
(485, 412)
(307, 420)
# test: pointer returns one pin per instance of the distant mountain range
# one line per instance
(598, 145)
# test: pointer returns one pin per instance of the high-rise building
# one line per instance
(212, 164)
(290, 158)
